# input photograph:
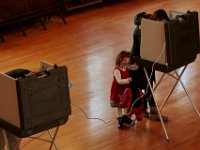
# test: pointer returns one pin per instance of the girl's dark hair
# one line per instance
(121, 56)
(160, 15)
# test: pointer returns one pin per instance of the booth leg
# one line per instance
(170, 93)
(157, 84)
(191, 101)
(161, 119)
(6, 140)
(53, 137)
(159, 81)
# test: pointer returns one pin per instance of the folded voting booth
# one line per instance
(32, 102)
(167, 46)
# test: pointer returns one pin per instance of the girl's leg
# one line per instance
(119, 112)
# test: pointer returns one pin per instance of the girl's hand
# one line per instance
(130, 79)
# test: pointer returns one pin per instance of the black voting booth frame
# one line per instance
(168, 53)
(39, 101)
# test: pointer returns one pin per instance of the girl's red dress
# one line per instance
(118, 89)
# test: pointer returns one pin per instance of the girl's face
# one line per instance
(125, 61)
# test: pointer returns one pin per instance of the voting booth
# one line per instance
(170, 44)
(31, 102)
(167, 46)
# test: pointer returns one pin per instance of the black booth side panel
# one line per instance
(195, 21)
(180, 43)
(44, 101)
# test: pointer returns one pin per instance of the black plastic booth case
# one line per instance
(34, 102)
(169, 45)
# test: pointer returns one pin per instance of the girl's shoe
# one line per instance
(120, 122)
(126, 119)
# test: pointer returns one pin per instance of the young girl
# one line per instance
(121, 81)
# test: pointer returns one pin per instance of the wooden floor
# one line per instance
(87, 45)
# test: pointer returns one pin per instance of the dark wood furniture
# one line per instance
(13, 12)
(77, 4)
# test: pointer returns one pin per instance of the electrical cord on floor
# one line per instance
(92, 118)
